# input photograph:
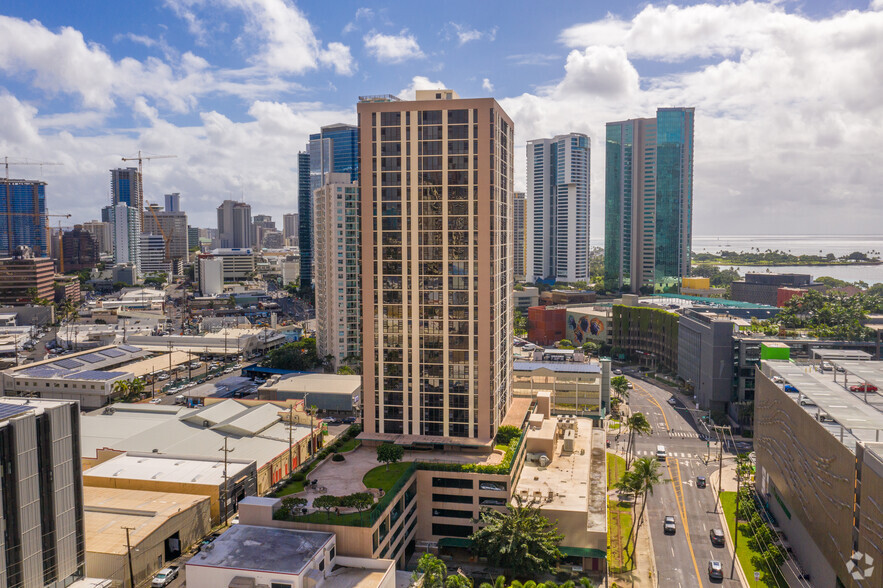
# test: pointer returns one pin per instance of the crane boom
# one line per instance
(140, 158)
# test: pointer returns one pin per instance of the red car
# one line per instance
(863, 388)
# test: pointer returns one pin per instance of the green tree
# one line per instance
(361, 501)
(292, 504)
(326, 502)
(389, 453)
(521, 539)
(620, 385)
(136, 387)
(458, 580)
(638, 425)
(646, 478)
(299, 356)
(520, 322)
(565, 344)
(506, 433)
(346, 370)
(231, 302)
(120, 388)
(432, 570)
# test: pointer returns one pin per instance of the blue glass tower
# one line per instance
(23, 216)
(305, 219)
(334, 149)
(648, 225)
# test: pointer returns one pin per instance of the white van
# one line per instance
(660, 452)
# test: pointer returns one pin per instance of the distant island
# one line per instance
(770, 257)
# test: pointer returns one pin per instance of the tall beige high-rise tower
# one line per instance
(436, 196)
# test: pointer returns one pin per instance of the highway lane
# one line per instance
(681, 559)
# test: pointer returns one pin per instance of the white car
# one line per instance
(164, 577)
(672, 401)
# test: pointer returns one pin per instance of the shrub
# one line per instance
(298, 477)
(506, 433)
(338, 457)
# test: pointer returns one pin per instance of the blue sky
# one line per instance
(787, 93)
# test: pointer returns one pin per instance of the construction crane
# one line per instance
(7, 163)
(140, 158)
(166, 239)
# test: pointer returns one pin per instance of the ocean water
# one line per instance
(839, 245)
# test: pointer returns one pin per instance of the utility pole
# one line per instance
(129, 555)
(226, 489)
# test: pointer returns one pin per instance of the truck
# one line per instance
(164, 577)
(180, 399)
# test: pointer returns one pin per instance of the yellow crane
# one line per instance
(166, 239)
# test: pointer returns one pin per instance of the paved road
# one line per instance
(681, 559)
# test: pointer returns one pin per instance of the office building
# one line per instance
(67, 288)
(261, 223)
(290, 228)
(219, 266)
(234, 224)
(290, 268)
(23, 216)
(126, 230)
(192, 237)
(557, 208)
(172, 226)
(519, 235)
(819, 468)
(334, 149)
(23, 276)
(173, 202)
(648, 223)
(337, 257)
(272, 239)
(41, 493)
(126, 188)
(103, 234)
(436, 200)
(153, 255)
(763, 288)
(305, 219)
(79, 250)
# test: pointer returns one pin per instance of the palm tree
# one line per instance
(638, 425)
(136, 387)
(120, 388)
(620, 386)
(647, 476)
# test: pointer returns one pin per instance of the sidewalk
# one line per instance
(728, 484)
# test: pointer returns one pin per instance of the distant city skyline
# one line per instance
(234, 90)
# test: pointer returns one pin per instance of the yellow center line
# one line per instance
(654, 401)
(682, 509)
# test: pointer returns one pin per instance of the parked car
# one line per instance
(863, 388)
(717, 537)
(668, 526)
(349, 420)
(617, 372)
(700, 482)
(672, 401)
(790, 388)
(164, 577)
(715, 570)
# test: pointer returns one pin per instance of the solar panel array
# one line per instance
(94, 375)
(10, 410)
(91, 357)
(41, 371)
(129, 348)
(112, 353)
(68, 363)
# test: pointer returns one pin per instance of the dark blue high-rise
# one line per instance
(334, 149)
(23, 216)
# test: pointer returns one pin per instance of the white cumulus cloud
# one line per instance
(393, 48)
(487, 86)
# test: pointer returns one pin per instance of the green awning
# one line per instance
(455, 542)
(580, 552)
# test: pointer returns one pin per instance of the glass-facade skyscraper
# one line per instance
(23, 216)
(648, 221)
(305, 219)
(334, 149)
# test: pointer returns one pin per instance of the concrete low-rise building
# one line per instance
(574, 387)
(525, 298)
(161, 526)
(225, 483)
(333, 393)
(87, 377)
(255, 430)
(246, 556)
